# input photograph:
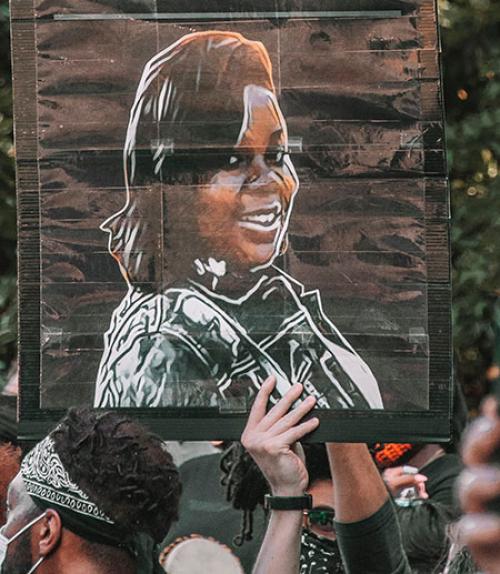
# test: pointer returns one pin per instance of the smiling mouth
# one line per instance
(265, 219)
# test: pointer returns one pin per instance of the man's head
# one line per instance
(320, 518)
(207, 144)
(92, 489)
(21, 511)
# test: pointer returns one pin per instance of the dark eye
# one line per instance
(234, 160)
(276, 157)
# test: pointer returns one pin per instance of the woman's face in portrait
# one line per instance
(242, 212)
(228, 183)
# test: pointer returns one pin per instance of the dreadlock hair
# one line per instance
(245, 486)
(424, 533)
(463, 563)
(460, 560)
(124, 468)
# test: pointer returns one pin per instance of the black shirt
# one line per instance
(373, 545)
(441, 474)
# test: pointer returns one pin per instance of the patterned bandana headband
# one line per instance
(47, 481)
(49, 485)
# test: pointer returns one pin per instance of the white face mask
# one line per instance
(4, 544)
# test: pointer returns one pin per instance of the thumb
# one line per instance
(299, 451)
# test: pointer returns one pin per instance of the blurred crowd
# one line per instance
(100, 494)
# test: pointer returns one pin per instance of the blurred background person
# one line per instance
(421, 479)
(479, 489)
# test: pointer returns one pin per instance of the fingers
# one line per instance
(280, 419)
(421, 492)
(400, 483)
(477, 487)
(296, 433)
(401, 477)
(480, 529)
(481, 440)
(293, 417)
(281, 408)
(490, 407)
(407, 480)
(481, 533)
(391, 473)
(259, 407)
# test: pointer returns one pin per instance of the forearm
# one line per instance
(271, 437)
(280, 550)
(359, 489)
(373, 545)
(367, 529)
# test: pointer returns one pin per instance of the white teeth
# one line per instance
(262, 222)
(264, 218)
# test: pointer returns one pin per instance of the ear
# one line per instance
(50, 532)
(284, 245)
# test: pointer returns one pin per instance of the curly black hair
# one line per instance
(125, 469)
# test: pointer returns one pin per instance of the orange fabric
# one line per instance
(388, 454)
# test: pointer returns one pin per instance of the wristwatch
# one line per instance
(303, 502)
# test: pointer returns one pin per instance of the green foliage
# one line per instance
(8, 319)
(471, 58)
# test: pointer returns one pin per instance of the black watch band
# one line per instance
(303, 502)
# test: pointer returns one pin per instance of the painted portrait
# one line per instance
(213, 192)
(206, 132)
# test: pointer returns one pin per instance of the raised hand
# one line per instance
(272, 438)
